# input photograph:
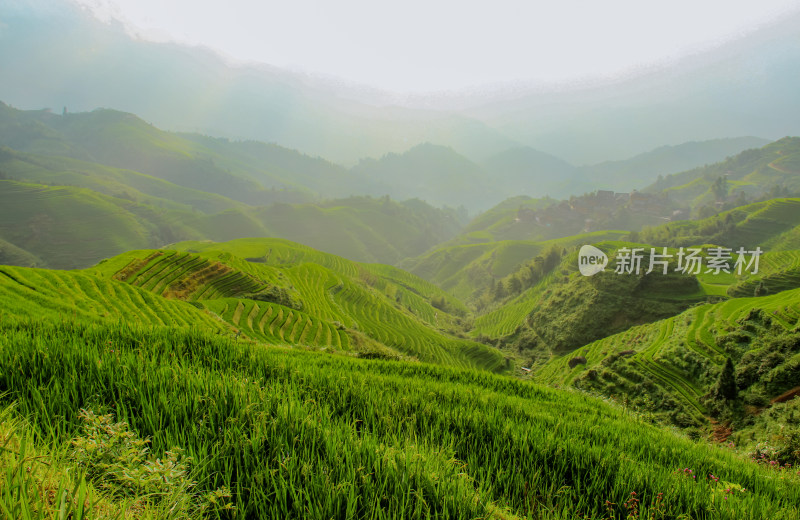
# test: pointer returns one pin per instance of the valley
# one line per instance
(236, 290)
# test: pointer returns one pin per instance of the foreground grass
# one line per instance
(298, 434)
(36, 482)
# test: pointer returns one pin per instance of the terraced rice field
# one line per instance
(186, 276)
(76, 295)
(273, 251)
(276, 324)
(506, 319)
(392, 310)
(778, 271)
(694, 329)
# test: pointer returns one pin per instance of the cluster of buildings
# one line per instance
(596, 210)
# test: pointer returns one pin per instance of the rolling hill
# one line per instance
(115, 182)
(67, 227)
(283, 358)
(770, 225)
(430, 172)
(765, 171)
(36, 221)
(244, 426)
(527, 171)
(182, 187)
(643, 169)
(442, 175)
(289, 293)
(466, 270)
(253, 173)
(674, 364)
(198, 327)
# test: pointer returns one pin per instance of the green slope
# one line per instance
(255, 173)
(466, 270)
(84, 297)
(115, 182)
(671, 366)
(70, 227)
(275, 166)
(438, 173)
(374, 311)
(769, 224)
(360, 228)
(124, 141)
(754, 173)
(37, 217)
(13, 255)
(296, 434)
(645, 168)
(565, 309)
(293, 294)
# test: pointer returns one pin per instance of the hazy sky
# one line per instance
(428, 45)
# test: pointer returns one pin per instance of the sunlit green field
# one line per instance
(297, 434)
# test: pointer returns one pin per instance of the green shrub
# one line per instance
(117, 460)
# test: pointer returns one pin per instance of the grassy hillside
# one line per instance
(501, 222)
(522, 218)
(672, 197)
(360, 228)
(295, 295)
(200, 187)
(279, 252)
(39, 219)
(297, 434)
(672, 367)
(123, 140)
(275, 166)
(115, 182)
(644, 169)
(69, 227)
(437, 173)
(577, 309)
(770, 224)
(559, 309)
(750, 174)
(13, 255)
(368, 310)
(474, 272)
(468, 270)
(85, 297)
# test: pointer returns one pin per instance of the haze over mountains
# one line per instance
(135, 186)
(57, 55)
(347, 305)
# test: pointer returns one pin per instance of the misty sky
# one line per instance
(429, 45)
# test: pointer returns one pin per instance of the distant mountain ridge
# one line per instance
(645, 168)
(772, 170)
(745, 88)
(194, 90)
(446, 177)
(175, 186)
(134, 186)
